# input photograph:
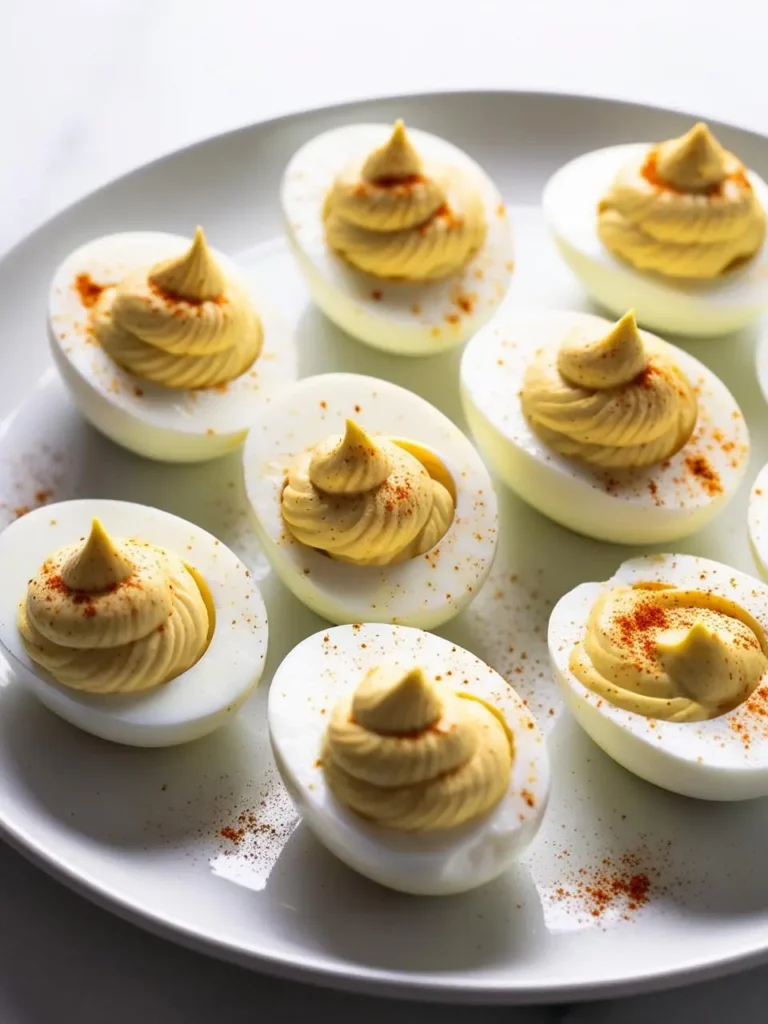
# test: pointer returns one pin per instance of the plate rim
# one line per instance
(370, 99)
(354, 977)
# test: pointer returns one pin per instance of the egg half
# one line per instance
(403, 317)
(689, 307)
(425, 591)
(724, 758)
(324, 668)
(641, 506)
(162, 423)
(193, 704)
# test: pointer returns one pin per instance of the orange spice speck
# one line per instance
(701, 469)
(88, 290)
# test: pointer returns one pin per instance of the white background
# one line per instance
(92, 88)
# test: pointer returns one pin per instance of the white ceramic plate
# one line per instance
(156, 835)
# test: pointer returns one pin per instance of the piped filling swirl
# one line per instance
(107, 616)
(686, 209)
(615, 400)
(409, 754)
(180, 323)
(392, 219)
(365, 500)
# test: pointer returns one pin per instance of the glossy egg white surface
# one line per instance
(425, 591)
(724, 758)
(324, 668)
(757, 521)
(761, 362)
(402, 317)
(644, 506)
(203, 698)
(160, 423)
(688, 307)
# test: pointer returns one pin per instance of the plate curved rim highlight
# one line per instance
(66, 229)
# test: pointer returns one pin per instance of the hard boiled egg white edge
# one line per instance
(757, 521)
(316, 675)
(689, 307)
(403, 317)
(147, 418)
(725, 758)
(654, 505)
(425, 591)
(761, 363)
(189, 706)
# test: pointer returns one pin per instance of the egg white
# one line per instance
(308, 684)
(425, 591)
(644, 506)
(193, 704)
(725, 758)
(403, 317)
(761, 363)
(160, 423)
(757, 521)
(689, 307)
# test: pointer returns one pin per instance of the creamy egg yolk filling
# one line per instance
(179, 323)
(389, 218)
(614, 400)
(115, 616)
(408, 753)
(686, 209)
(368, 500)
(670, 653)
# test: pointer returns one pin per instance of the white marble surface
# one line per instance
(92, 88)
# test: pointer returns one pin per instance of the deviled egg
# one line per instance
(604, 428)
(166, 346)
(369, 503)
(665, 666)
(408, 757)
(129, 622)
(403, 239)
(674, 229)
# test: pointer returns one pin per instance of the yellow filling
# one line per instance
(106, 616)
(180, 323)
(663, 652)
(616, 400)
(389, 218)
(412, 755)
(365, 500)
(685, 209)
